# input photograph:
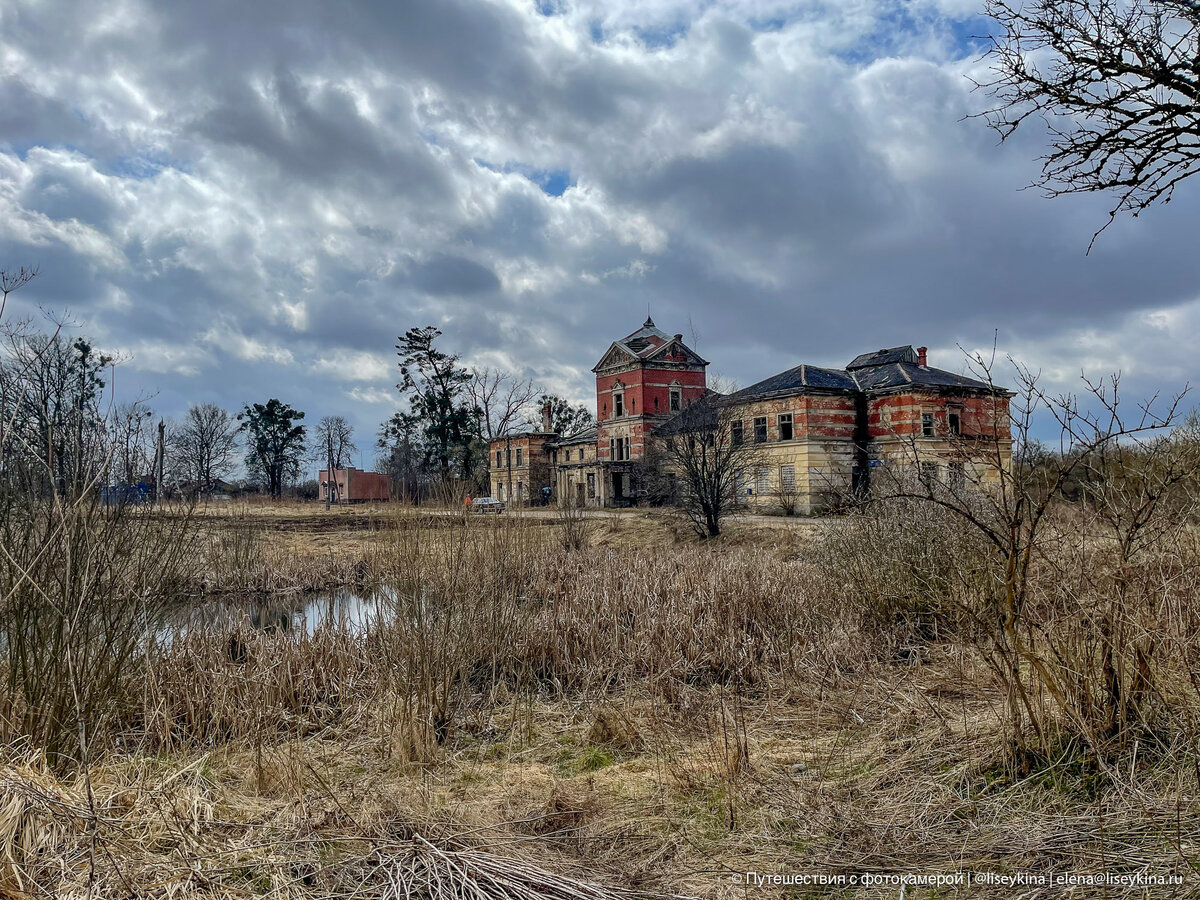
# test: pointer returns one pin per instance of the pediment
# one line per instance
(678, 353)
(616, 356)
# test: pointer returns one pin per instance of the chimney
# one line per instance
(547, 419)
(921, 355)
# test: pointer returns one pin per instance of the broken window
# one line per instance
(760, 429)
(498, 463)
(763, 480)
(955, 422)
(958, 478)
(735, 432)
(618, 405)
(591, 485)
(785, 426)
(787, 478)
(676, 398)
(627, 448)
(927, 424)
(518, 457)
(581, 454)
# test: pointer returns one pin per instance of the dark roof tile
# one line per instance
(800, 378)
(904, 354)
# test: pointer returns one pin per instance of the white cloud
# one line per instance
(348, 365)
(792, 177)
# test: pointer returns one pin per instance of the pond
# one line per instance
(299, 613)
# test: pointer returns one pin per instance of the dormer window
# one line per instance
(676, 393)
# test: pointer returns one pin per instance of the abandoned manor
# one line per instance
(817, 432)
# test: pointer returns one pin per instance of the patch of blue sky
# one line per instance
(142, 166)
(552, 182)
(971, 36)
(661, 37)
(774, 23)
(548, 7)
(901, 26)
(20, 148)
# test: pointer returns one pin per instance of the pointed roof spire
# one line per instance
(649, 323)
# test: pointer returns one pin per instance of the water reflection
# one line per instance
(300, 614)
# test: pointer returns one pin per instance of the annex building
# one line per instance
(817, 432)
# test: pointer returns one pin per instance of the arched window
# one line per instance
(618, 400)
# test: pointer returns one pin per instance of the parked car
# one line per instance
(486, 505)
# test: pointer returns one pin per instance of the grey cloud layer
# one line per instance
(255, 199)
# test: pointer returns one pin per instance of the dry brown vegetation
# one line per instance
(643, 714)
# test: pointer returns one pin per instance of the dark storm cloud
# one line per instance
(448, 274)
(28, 117)
(255, 199)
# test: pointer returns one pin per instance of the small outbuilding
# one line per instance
(353, 485)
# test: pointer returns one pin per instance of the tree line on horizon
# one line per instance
(64, 434)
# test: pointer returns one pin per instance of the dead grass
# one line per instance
(642, 716)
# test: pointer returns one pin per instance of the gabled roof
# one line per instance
(648, 337)
(648, 341)
(904, 354)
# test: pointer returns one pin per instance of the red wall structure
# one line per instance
(355, 485)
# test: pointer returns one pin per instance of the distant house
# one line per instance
(354, 485)
(821, 430)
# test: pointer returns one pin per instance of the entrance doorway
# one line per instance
(579, 494)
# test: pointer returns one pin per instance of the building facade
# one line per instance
(818, 432)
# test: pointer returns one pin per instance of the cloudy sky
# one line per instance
(254, 199)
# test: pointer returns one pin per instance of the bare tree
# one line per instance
(334, 447)
(710, 460)
(1117, 83)
(501, 401)
(204, 446)
(335, 441)
(51, 398)
(131, 439)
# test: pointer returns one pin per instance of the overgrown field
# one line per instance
(629, 714)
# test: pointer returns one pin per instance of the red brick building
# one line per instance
(641, 381)
(354, 485)
(822, 431)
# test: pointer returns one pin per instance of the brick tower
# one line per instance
(641, 381)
